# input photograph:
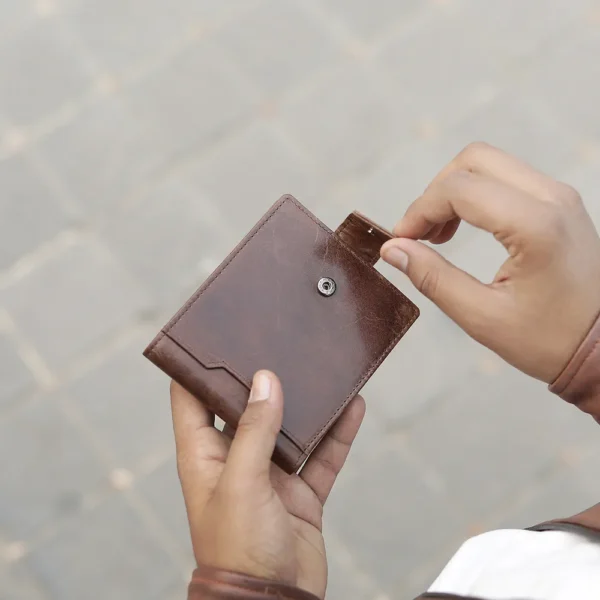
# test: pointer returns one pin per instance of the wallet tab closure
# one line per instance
(363, 235)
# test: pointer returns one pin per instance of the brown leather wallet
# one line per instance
(297, 299)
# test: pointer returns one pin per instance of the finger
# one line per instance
(471, 304)
(229, 432)
(254, 441)
(447, 232)
(325, 463)
(483, 202)
(201, 449)
(484, 159)
(434, 232)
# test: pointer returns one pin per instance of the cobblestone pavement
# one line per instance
(139, 140)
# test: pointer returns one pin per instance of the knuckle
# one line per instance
(472, 152)
(429, 283)
(459, 177)
(452, 183)
(567, 195)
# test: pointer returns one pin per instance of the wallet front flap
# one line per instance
(262, 309)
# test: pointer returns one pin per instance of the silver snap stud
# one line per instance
(326, 286)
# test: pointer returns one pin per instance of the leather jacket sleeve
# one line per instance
(579, 384)
(216, 584)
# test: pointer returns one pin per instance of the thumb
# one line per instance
(467, 301)
(254, 441)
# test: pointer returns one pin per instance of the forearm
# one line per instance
(215, 584)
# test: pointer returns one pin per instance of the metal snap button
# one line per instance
(326, 286)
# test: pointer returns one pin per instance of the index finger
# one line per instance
(487, 162)
(485, 159)
(482, 202)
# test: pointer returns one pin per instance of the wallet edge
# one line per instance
(413, 313)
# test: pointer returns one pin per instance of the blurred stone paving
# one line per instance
(139, 140)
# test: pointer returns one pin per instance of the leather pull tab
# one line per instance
(363, 235)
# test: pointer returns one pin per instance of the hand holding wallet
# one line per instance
(299, 300)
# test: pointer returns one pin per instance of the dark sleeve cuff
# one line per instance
(216, 584)
(579, 383)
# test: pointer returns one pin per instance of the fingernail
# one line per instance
(396, 257)
(261, 387)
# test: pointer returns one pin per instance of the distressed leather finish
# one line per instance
(363, 235)
(215, 584)
(261, 309)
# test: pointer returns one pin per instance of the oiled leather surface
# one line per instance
(217, 584)
(261, 310)
(363, 235)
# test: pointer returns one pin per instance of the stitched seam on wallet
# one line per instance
(165, 335)
(205, 287)
(351, 395)
(214, 277)
(384, 281)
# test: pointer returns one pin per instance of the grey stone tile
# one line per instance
(391, 520)
(108, 553)
(178, 591)
(126, 401)
(170, 239)
(564, 81)
(13, 14)
(370, 19)
(454, 441)
(47, 466)
(162, 490)
(420, 580)
(386, 191)
(39, 72)
(343, 580)
(277, 44)
(192, 100)
(462, 56)
(18, 583)
(490, 440)
(346, 120)
(29, 212)
(477, 253)
(103, 155)
(124, 35)
(568, 492)
(515, 123)
(15, 378)
(370, 440)
(74, 301)
(429, 362)
(248, 173)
